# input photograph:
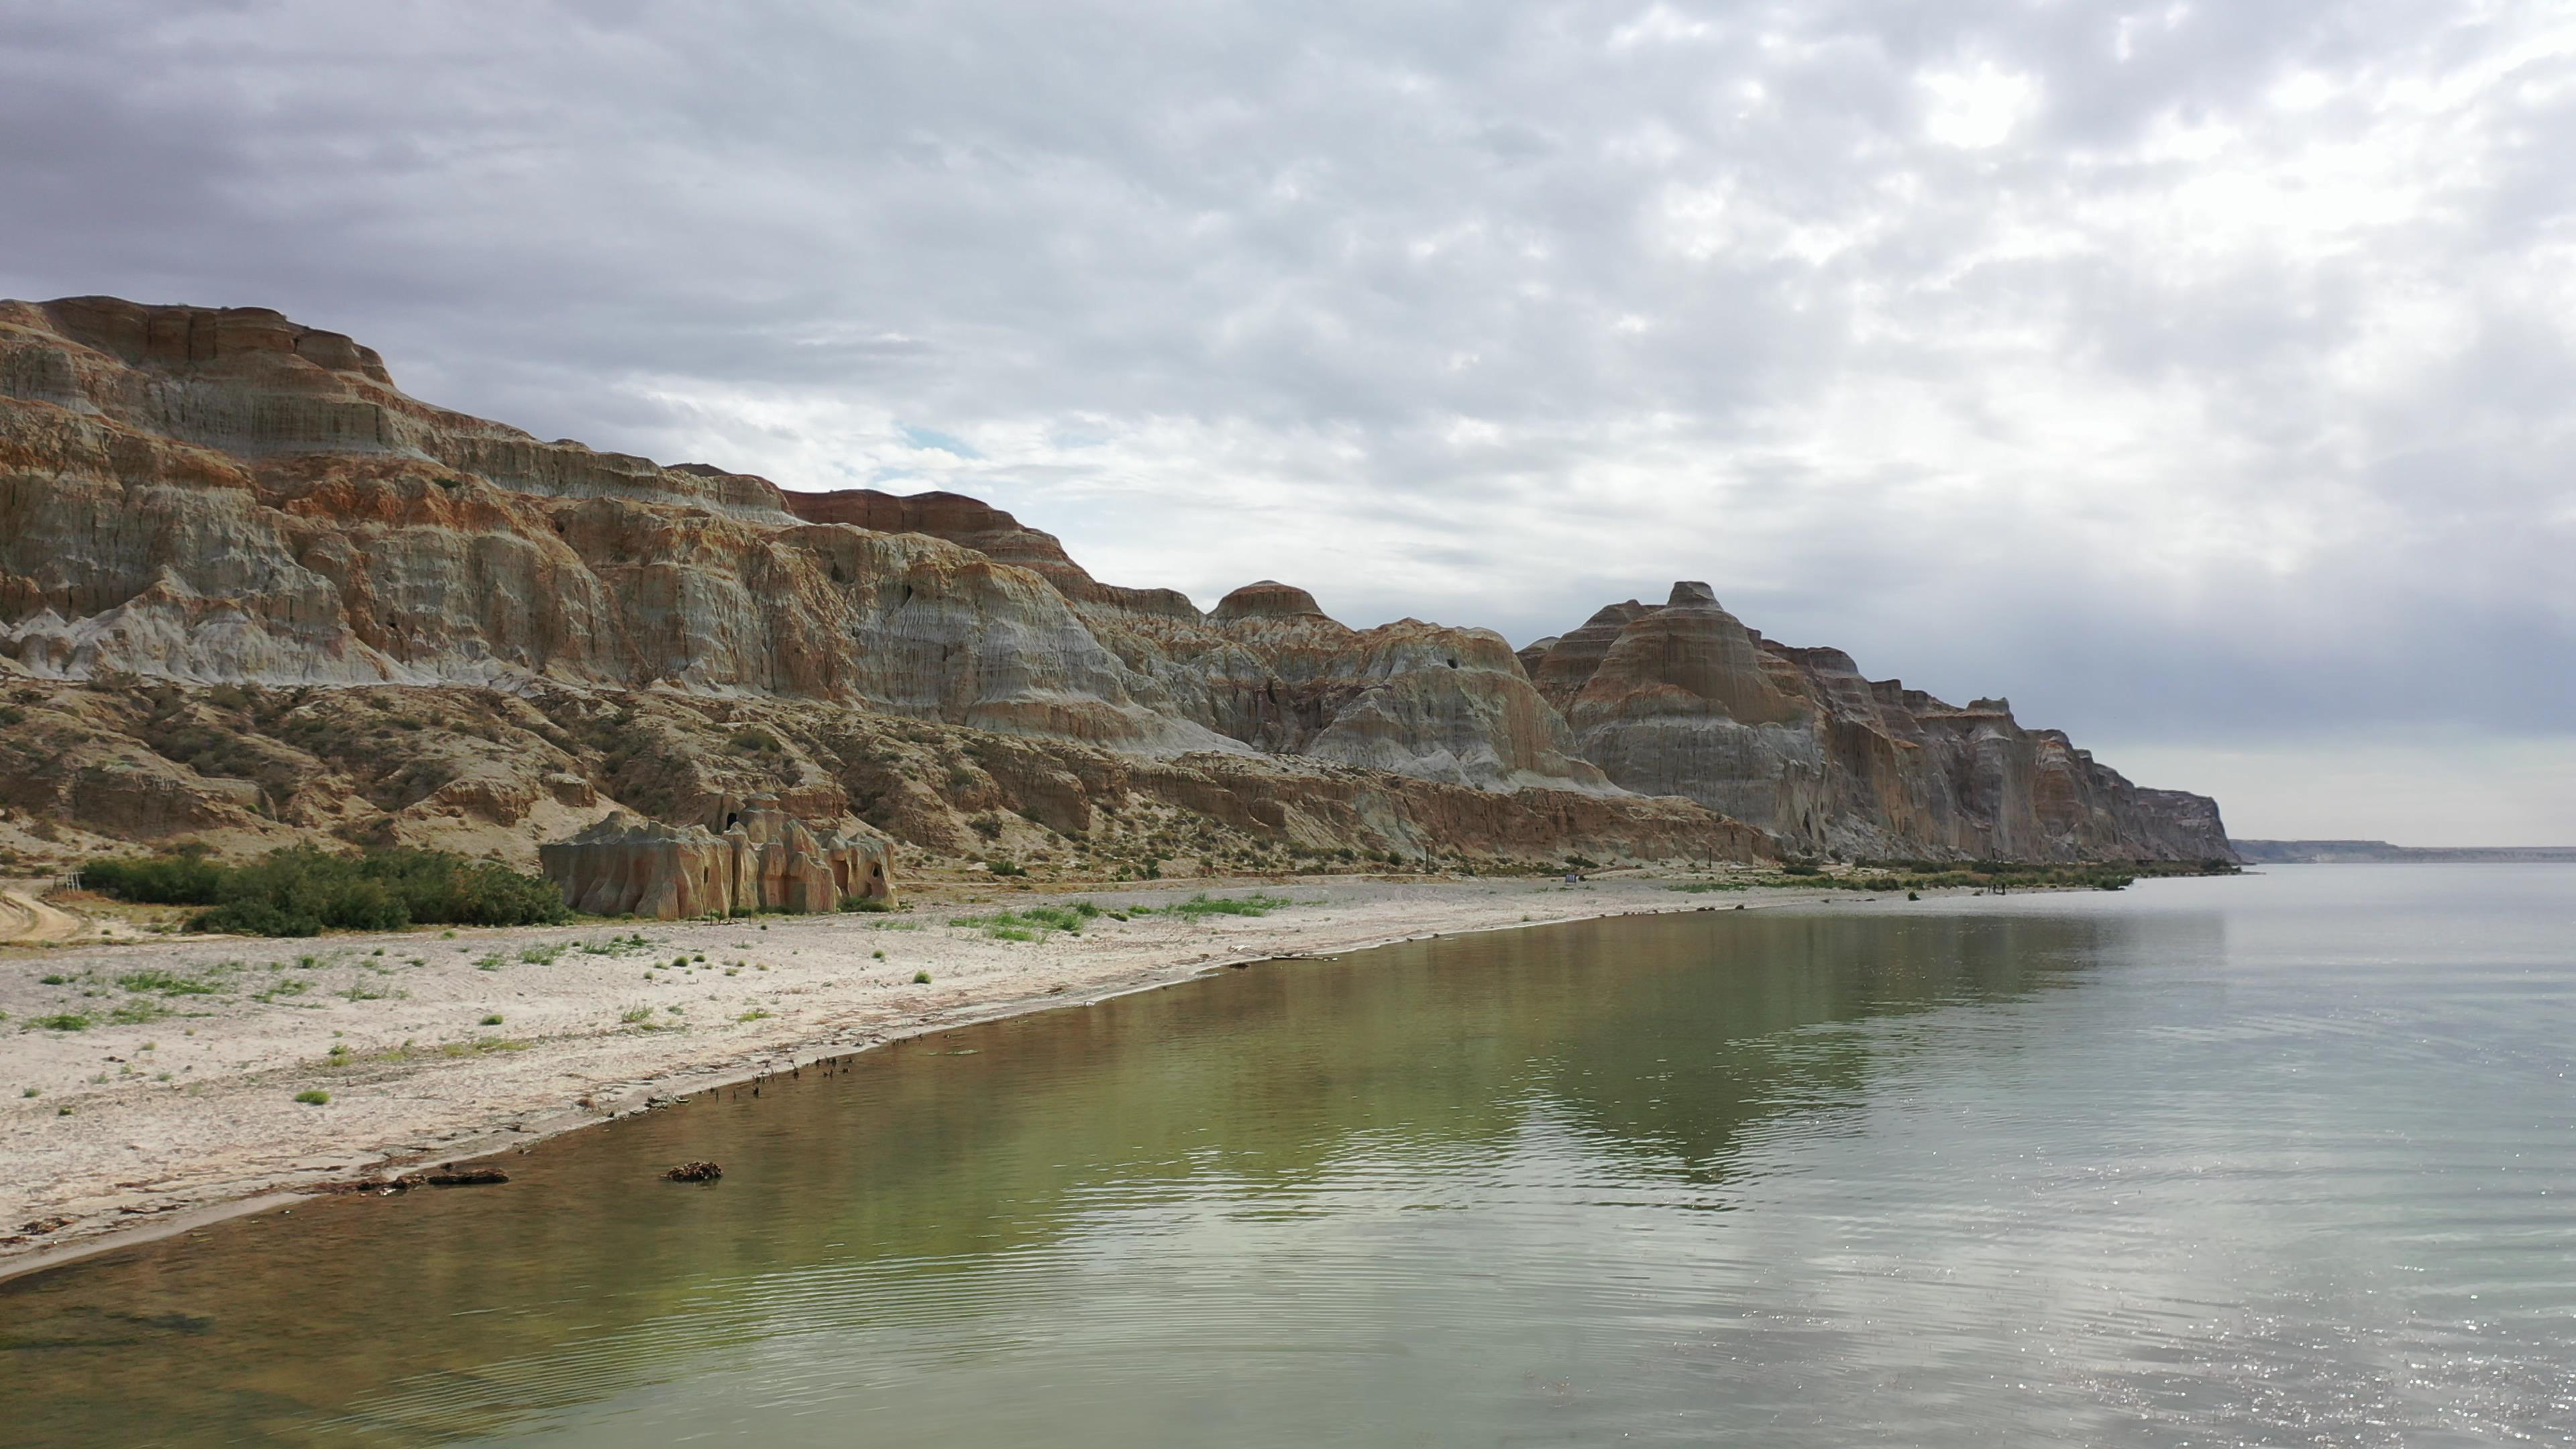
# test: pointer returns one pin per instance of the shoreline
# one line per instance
(127, 1157)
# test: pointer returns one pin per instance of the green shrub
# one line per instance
(169, 880)
(301, 891)
(171, 983)
(921, 978)
(1255, 904)
(313, 1097)
(67, 1021)
(1031, 922)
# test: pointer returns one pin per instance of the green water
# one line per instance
(2276, 1160)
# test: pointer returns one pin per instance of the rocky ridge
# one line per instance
(1687, 700)
(249, 590)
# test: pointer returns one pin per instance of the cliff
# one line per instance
(1686, 700)
(229, 544)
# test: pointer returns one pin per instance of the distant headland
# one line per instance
(2354, 852)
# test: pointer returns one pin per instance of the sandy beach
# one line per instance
(177, 1101)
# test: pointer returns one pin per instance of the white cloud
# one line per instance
(1978, 107)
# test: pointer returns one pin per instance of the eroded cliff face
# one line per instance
(226, 497)
(193, 499)
(1686, 700)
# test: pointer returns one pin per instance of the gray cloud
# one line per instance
(2193, 373)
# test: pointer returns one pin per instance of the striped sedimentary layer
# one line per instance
(199, 498)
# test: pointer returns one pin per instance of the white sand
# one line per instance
(163, 1123)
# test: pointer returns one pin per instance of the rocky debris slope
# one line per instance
(88, 765)
(1686, 700)
(200, 500)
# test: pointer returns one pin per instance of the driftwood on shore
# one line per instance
(435, 1177)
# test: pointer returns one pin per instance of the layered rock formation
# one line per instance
(765, 859)
(224, 496)
(1686, 700)
(194, 499)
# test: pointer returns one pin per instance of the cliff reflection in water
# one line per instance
(956, 1194)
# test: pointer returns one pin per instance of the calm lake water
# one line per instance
(2284, 1159)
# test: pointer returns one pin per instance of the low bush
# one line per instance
(302, 891)
(1031, 922)
(169, 880)
(167, 983)
(1199, 906)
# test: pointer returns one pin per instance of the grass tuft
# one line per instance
(1030, 922)
(1201, 906)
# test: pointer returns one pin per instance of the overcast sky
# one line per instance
(2202, 376)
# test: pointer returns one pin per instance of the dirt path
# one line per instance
(26, 921)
